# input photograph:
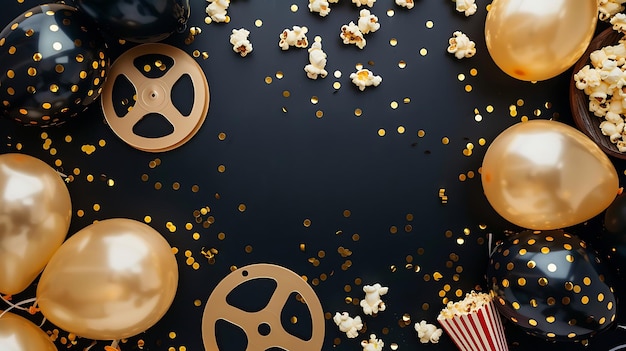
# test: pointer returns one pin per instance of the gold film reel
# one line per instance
(154, 96)
(269, 317)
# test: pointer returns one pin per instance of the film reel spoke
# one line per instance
(134, 76)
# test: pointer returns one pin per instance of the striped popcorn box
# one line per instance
(474, 324)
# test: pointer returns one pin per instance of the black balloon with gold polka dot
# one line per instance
(53, 63)
(552, 285)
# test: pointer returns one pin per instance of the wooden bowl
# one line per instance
(586, 121)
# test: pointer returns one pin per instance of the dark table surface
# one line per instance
(389, 194)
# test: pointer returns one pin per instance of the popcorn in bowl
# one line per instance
(609, 8)
(474, 323)
(604, 82)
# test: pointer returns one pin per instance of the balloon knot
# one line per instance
(33, 309)
(620, 190)
(7, 297)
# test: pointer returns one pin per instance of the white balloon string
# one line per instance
(113, 347)
(93, 343)
(16, 305)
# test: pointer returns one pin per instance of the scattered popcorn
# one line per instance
(364, 78)
(317, 59)
(609, 8)
(466, 6)
(619, 22)
(217, 10)
(368, 22)
(294, 37)
(320, 6)
(405, 3)
(241, 44)
(471, 303)
(351, 34)
(347, 324)
(604, 82)
(461, 46)
(372, 344)
(428, 332)
(371, 303)
(360, 3)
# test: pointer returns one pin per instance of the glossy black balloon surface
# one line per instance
(552, 285)
(53, 64)
(141, 21)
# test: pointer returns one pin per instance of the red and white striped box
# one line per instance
(479, 330)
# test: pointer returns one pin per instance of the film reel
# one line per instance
(154, 96)
(263, 328)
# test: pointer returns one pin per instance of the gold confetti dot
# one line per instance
(241, 207)
(401, 129)
(423, 51)
(314, 100)
(336, 85)
(390, 12)
(279, 75)
(421, 133)
(358, 112)
(319, 113)
(258, 23)
(294, 8)
(381, 132)
(268, 80)
(461, 77)
(468, 88)
(429, 24)
(221, 168)
(393, 41)
(286, 93)
(402, 64)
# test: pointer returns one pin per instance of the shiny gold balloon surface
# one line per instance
(35, 213)
(111, 280)
(545, 174)
(535, 40)
(20, 334)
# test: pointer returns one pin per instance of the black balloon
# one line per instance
(613, 243)
(140, 21)
(52, 65)
(550, 284)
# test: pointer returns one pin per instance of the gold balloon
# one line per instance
(19, 334)
(543, 175)
(111, 280)
(535, 40)
(35, 213)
